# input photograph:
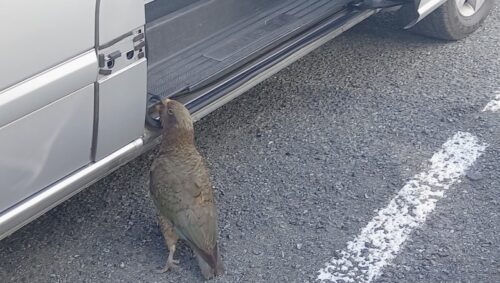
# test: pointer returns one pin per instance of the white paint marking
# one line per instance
(383, 237)
(493, 105)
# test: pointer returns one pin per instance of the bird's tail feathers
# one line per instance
(210, 264)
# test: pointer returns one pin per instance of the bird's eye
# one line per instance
(170, 112)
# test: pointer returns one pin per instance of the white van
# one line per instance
(78, 77)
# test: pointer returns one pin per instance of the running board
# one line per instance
(255, 27)
(203, 101)
(272, 62)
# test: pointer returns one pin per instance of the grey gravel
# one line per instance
(300, 163)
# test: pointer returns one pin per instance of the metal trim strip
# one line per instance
(43, 89)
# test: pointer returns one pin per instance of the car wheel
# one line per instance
(455, 19)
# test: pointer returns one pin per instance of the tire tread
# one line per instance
(444, 22)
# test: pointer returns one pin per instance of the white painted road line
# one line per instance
(493, 105)
(380, 241)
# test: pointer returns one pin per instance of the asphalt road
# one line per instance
(301, 163)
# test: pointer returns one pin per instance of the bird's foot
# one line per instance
(171, 264)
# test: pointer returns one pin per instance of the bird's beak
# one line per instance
(159, 107)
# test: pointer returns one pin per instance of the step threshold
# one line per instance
(234, 46)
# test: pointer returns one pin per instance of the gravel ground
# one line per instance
(300, 163)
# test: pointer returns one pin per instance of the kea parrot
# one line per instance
(182, 192)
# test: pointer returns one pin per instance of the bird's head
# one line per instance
(174, 116)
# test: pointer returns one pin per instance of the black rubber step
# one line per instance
(232, 46)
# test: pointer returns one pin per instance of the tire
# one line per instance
(448, 22)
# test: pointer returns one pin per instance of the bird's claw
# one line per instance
(169, 266)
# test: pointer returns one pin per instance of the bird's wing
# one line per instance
(189, 204)
(197, 223)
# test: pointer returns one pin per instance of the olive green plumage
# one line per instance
(182, 192)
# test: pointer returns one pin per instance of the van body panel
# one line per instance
(32, 94)
(118, 17)
(45, 146)
(122, 108)
(422, 8)
(38, 35)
